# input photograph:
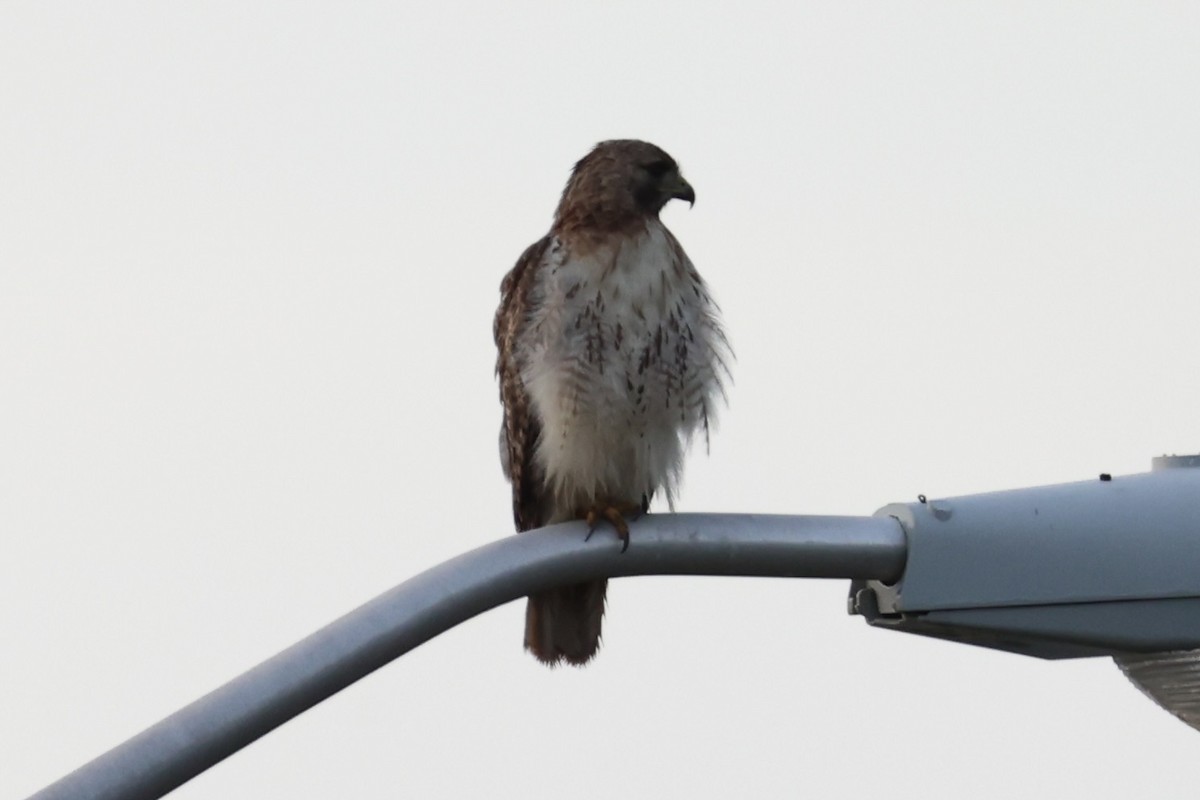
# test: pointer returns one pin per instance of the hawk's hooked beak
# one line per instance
(682, 190)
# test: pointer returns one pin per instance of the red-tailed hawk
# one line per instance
(611, 357)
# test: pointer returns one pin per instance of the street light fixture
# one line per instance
(1109, 566)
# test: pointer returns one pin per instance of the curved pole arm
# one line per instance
(222, 722)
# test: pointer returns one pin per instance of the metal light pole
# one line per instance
(1109, 567)
(219, 724)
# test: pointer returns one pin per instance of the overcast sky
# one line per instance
(249, 255)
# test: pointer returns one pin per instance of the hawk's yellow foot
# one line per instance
(615, 513)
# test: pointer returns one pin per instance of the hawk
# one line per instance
(611, 356)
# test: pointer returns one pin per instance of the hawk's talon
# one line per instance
(591, 517)
(617, 521)
(615, 517)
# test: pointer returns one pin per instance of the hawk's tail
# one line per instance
(564, 624)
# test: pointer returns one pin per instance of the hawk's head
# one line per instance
(620, 183)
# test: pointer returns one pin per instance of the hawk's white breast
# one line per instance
(622, 359)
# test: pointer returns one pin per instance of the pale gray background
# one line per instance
(249, 254)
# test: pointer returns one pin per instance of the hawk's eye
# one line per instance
(658, 168)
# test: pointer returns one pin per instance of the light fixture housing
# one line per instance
(1105, 567)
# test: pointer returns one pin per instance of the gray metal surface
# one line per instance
(194, 738)
(1068, 630)
(1100, 567)
(1134, 537)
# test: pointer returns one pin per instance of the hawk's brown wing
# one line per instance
(521, 425)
